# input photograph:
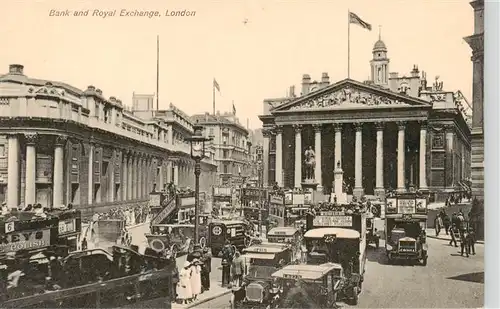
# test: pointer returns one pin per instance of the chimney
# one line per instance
(99, 91)
(415, 72)
(306, 80)
(112, 99)
(90, 88)
(16, 69)
(119, 102)
(291, 94)
(325, 79)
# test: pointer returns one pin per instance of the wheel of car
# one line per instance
(157, 245)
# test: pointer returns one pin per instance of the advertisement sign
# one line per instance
(421, 204)
(333, 221)
(27, 240)
(298, 199)
(308, 198)
(391, 204)
(187, 201)
(406, 206)
(67, 226)
(276, 199)
(288, 198)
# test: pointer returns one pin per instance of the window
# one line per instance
(226, 168)
(211, 132)
(225, 154)
(2, 150)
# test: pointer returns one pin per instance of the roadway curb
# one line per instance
(448, 239)
(201, 301)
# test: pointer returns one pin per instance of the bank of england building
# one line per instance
(60, 145)
(390, 132)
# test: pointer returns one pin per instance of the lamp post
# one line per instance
(261, 184)
(197, 141)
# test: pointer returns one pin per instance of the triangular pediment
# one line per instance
(349, 94)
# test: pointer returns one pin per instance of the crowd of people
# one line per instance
(194, 277)
(458, 228)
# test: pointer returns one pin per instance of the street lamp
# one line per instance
(261, 184)
(197, 141)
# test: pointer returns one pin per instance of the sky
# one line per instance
(253, 60)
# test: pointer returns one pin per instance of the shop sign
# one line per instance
(333, 221)
(28, 240)
(67, 226)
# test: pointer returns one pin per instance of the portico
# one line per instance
(379, 137)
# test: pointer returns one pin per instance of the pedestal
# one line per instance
(338, 191)
(310, 184)
(380, 192)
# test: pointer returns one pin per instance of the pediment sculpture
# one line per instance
(346, 96)
(46, 90)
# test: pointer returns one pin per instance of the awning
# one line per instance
(260, 256)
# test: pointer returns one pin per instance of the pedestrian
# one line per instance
(195, 278)
(227, 258)
(237, 269)
(184, 286)
(175, 279)
(471, 241)
(438, 224)
(463, 244)
(206, 269)
(84, 243)
(446, 223)
(453, 230)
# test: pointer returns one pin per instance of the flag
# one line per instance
(354, 19)
(234, 109)
(216, 85)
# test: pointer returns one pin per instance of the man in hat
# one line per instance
(206, 268)
(5, 209)
(227, 259)
(238, 269)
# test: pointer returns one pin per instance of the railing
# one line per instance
(89, 210)
(64, 111)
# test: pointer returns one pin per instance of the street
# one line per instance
(448, 281)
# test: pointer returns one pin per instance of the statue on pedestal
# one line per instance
(310, 163)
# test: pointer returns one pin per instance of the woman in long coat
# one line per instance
(195, 278)
(184, 291)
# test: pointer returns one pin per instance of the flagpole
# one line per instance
(213, 96)
(348, 44)
(157, 72)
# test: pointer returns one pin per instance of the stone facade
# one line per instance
(232, 144)
(388, 133)
(476, 42)
(61, 145)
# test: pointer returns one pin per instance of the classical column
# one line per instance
(160, 181)
(169, 172)
(317, 150)
(265, 154)
(338, 144)
(140, 175)
(13, 172)
(124, 176)
(58, 179)
(176, 174)
(298, 156)
(422, 156)
(30, 180)
(379, 160)
(401, 156)
(111, 178)
(358, 161)
(130, 176)
(91, 174)
(135, 182)
(279, 156)
(450, 157)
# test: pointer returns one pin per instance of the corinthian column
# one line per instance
(124, 176)
(358, 161)
(338, 144)
(422, 156)
(30, 181)
(379, 164)
(13, 172)
(265, 156)
(317, 150)
(130, 176)
(401, 156)
(58, 180)
(279, 156)
(91, 174)
(298, 156)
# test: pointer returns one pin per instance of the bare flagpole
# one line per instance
(157, 72)
(213, 95)
(348, 44)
